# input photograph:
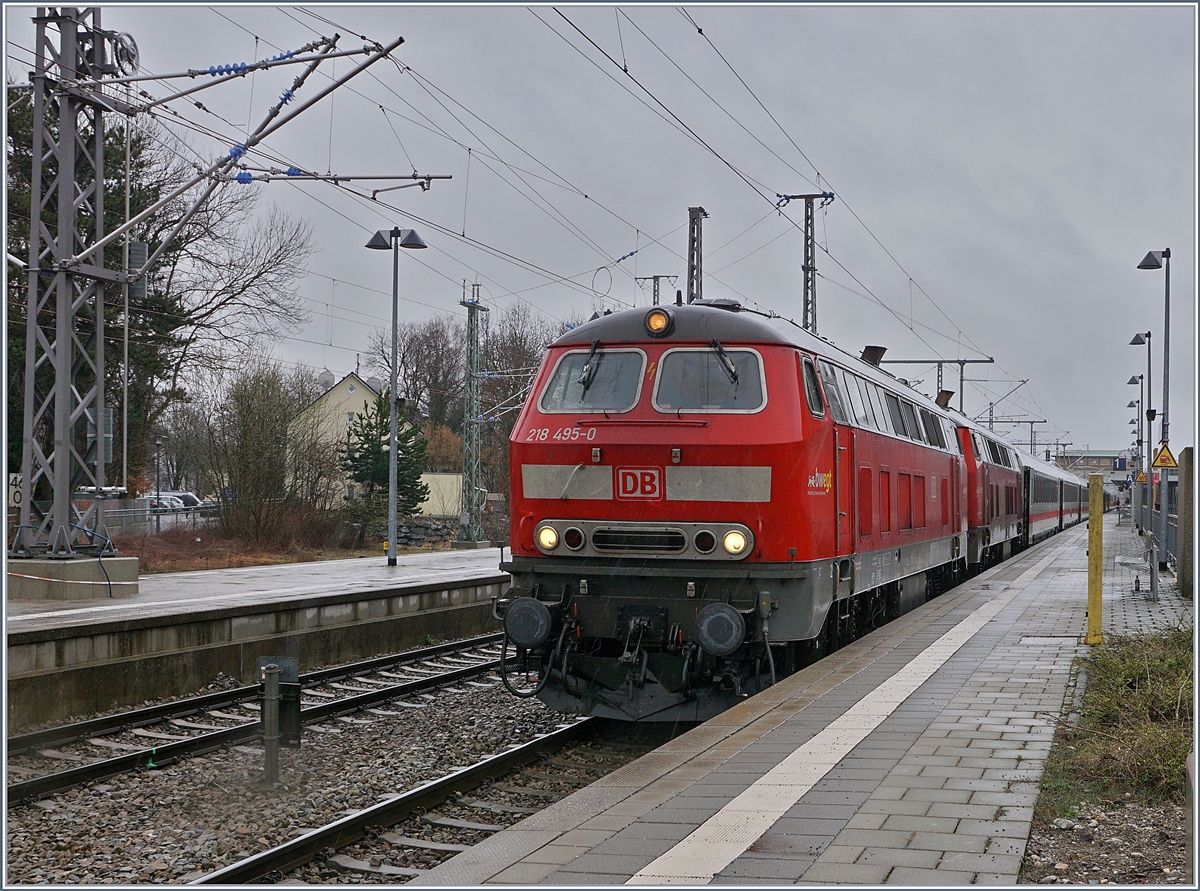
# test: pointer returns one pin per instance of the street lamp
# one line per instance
(395, 239)
(1154, 260)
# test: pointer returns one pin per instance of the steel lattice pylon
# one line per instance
(64, 360)
(472, 493)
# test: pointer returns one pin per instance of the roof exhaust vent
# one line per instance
(944, 397)
(873, 355)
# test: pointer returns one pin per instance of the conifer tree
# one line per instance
(365, 458)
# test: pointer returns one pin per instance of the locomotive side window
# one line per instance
(836, 403)
(587, 381)
(933, 430)
(893, 404)
(881, 408)
(980, 452)
(707, 380)
(951, 437)
(910, 420)
(862, 416)
(812, 392)
(864, 395)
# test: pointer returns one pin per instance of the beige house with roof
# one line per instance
(335, 411)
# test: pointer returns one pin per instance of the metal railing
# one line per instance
(1149, 519)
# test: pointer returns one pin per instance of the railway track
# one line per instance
(465, 806)
(158, 735)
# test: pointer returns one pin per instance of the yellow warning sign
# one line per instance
(1141, 477)
(1164, 459)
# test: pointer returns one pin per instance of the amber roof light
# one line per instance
(659, 322)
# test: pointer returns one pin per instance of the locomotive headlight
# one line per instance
(660, 322)
(734, 542)
(547, 538)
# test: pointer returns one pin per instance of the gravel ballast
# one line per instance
(191, 818)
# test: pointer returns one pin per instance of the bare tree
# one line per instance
(249, 439)
(430, 357)
(512, 351)
(228, 281)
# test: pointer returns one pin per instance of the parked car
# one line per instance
(166, 504)
(190, 501)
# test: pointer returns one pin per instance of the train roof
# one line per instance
(694, 321)
(727, 320)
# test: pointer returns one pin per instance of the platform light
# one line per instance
(1155, 260)
(383, 240)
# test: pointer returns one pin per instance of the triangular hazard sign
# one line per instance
(1164, 458)
(1141, 477)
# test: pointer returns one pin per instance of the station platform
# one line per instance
(180, 593)
(911, 756)
(181, 631)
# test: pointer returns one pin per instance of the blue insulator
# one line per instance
(237, 151)
(286, 96)
(245, 178)
(212, 70)
(292, 171)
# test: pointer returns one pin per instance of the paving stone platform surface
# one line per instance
(912, 756)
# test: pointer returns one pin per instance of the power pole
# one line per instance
(64, 357)
(64, 365)
(471, 520)
(810, 252)
(695, 254)
(656, 279)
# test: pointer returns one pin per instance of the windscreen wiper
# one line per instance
(590, 368)
(726, 362)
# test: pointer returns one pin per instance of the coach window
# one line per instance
(812, 392)
(596, 380)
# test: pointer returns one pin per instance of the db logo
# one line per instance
(639, 482)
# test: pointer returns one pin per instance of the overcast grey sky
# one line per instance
(1000, 171)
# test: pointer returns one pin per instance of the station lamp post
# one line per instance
(1148, 429)
(382, 240)
(1154, 260)
(1138, 381)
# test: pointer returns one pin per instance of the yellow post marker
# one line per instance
(1095, 558)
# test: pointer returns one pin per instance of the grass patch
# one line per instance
(1135, 726)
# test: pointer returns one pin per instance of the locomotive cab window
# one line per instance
(709, 379)
(596, 380)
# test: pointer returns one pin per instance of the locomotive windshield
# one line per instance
(594, 380)
(694, 380)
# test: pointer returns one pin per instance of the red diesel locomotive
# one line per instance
(705, 498)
